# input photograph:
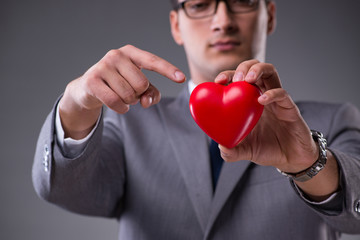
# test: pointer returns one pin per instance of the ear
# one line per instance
(174, 24)
(271, 9)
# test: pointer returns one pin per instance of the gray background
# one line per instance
(44, 44)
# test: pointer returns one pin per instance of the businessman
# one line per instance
(146, 163)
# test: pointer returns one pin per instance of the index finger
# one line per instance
(262, 71)
(149, 61)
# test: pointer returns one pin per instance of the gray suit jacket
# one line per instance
(150, 169)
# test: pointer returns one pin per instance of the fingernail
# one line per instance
(221, 77)
(150, 99)
(239, 76)
(263, 97)
(250, 76)
(179, 76)
(221, 151)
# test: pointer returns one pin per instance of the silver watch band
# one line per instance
(320, 163)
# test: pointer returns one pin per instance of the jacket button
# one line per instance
(357, 206)
(45, 161)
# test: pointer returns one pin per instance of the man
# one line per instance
(147, 163)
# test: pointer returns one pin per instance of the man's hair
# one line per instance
(175, 4)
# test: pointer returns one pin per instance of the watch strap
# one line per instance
(319, 164)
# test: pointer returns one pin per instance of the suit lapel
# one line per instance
(191, 150)
(230, 175)
(190, 146)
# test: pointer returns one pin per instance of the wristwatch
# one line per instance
(312, 171)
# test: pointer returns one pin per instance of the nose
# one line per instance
(223, 20)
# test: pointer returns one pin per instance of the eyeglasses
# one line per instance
(205, 8)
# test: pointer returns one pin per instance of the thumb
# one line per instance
(234, 154)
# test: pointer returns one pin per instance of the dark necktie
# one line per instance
(216, 161)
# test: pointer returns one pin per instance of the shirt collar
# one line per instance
(191, 86)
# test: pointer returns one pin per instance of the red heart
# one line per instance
(227, 114)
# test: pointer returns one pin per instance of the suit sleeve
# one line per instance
(343, 136)
(90, 183)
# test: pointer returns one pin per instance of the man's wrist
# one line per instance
(319, 164)
(325, 183)
(71, 147)
(76, 122)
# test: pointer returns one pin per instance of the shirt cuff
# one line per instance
(71, 148)
(330, 206)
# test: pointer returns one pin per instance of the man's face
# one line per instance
(220, 42)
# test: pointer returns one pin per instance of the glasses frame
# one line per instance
(181, 5)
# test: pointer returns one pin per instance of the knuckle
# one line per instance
(254, 61)
(91, 81)
(113, 54)
(128, 96)
(127, 46)
(152, 59)
(246, 65)
(250, 62)
(141, 85)
(101, 67)
(113, 102)
(270, 66)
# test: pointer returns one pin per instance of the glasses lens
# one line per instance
(242, 6)
(206, 8)
(199, 8)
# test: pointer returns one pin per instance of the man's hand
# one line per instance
(281, 138)
(116, 81)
